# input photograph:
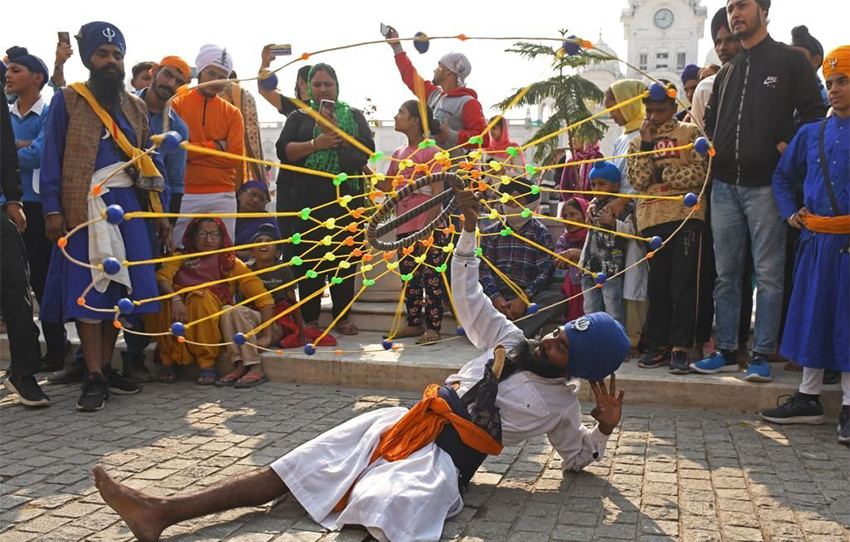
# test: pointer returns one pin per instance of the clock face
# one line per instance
(663, 18)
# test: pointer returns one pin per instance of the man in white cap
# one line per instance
(455, 106)
(399, 472)
(210, 181)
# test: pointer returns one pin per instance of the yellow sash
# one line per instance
(146, 165)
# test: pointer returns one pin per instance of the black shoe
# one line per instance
(27, 389)
(680, 363)
(844, 425)
(118, 383)
(796, 409)
(73, 372)
(95, 393)
(831, 376)
(134, 367)
(656, 357)
(50, 364)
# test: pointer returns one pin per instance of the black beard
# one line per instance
(106, 84)
(523, 357)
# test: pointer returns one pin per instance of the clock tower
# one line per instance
(663, 36)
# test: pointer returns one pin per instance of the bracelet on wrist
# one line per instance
(313, 143)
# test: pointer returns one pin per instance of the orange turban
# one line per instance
(837, 61)
(177, 62)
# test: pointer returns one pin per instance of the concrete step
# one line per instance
(361, 361)
(379, 316)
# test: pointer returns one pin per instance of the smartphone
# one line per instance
(326, 108)
(282, 49)
(64, 37)
(385, 29)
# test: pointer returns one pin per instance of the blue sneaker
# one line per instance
(722, 361)
(758, 370)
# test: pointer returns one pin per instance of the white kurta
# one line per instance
(409, 500)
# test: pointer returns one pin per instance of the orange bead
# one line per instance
(445, 163)
(465, 165)
(338, 352)
(357, 213)
(81, 301)
(462, 37)
(62, 242)
(305, 56)
(349, 241)
(368, 257)
(388, 255)
(420, 168)
(476, 174)
(482, 186)
(395, 183)
(650, 254)
(357, 252)
(95, 191)
(712, 152)
(697, 207)
(395, 347)
(117, 324)
(181, 340)
(407, 250)
(279, 352)
(427, 242)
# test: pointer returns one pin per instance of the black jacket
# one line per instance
(10, 178)
(752, 109)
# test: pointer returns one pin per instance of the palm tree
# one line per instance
(572, 94)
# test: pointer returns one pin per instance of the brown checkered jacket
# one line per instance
(81, 142)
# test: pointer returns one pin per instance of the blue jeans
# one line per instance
(735, 210)
(608, 299)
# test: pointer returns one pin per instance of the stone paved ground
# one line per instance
(668, 475)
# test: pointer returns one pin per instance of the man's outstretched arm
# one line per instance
(483, 324)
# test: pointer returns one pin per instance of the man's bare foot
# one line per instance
(792, 366)
(634, 353)
(138, 510)
(347, 328)
(430, 336)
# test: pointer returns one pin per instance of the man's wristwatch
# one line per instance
(177, 298)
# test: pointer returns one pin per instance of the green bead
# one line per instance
(531, 170)
(535, 189)
(311, 274)
(340, 178)
(431, 143)
(478, 251)
(476, 140)
(440, 268)
(376, 156)
(407, 277)
(512, 151)
(295, 260)
(305, 213)
(336, 280)
(525, 213)
(423, 144)
(368, 282)
(296, 238)
(505, 232)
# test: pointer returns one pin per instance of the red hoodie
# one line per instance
(459, 107)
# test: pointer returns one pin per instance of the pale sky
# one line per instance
(157, 29)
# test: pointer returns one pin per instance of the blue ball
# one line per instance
(421, 46)
(170, 142)
(114, 214)
(309, 349)
(239, 339)
(178, 329)
(111, 266)
(269, 83)
(701, 145)
(655, 243)
(387, 344)
(657, 92)
(690, 199)
(460, 331)
(571, 47)
(601, 278)
(532, 308)
(125, 305)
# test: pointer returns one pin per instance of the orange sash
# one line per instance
(837, 225)
(422, 425)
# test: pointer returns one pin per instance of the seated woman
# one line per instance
(202, 235)
(252, 197)
(569, 246)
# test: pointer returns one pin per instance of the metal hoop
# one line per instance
(376, 229)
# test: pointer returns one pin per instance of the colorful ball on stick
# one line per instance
(601, 278)
(690, 199)
(532, 308)
(178, 329)
(114, 214)
(421, 43)
(387, 344)
(460, 331)
(309, 349)
(701, 145)
(125, 305)
(655, 243)
(170, 142)
(571, 46)
(111, 266)
(268, 83)
(239, 339)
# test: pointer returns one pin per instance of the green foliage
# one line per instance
(573, 97)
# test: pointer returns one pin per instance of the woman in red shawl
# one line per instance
(500, 140)
(202, 235)
(569, 246)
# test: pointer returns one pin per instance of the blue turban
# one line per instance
(605, 170)
(691, 71)
(20, 55)
(93, 35)
(598, 346)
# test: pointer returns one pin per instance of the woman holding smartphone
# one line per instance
(312, 145)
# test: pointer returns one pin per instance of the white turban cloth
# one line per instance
(458, 64)
(214, 55)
